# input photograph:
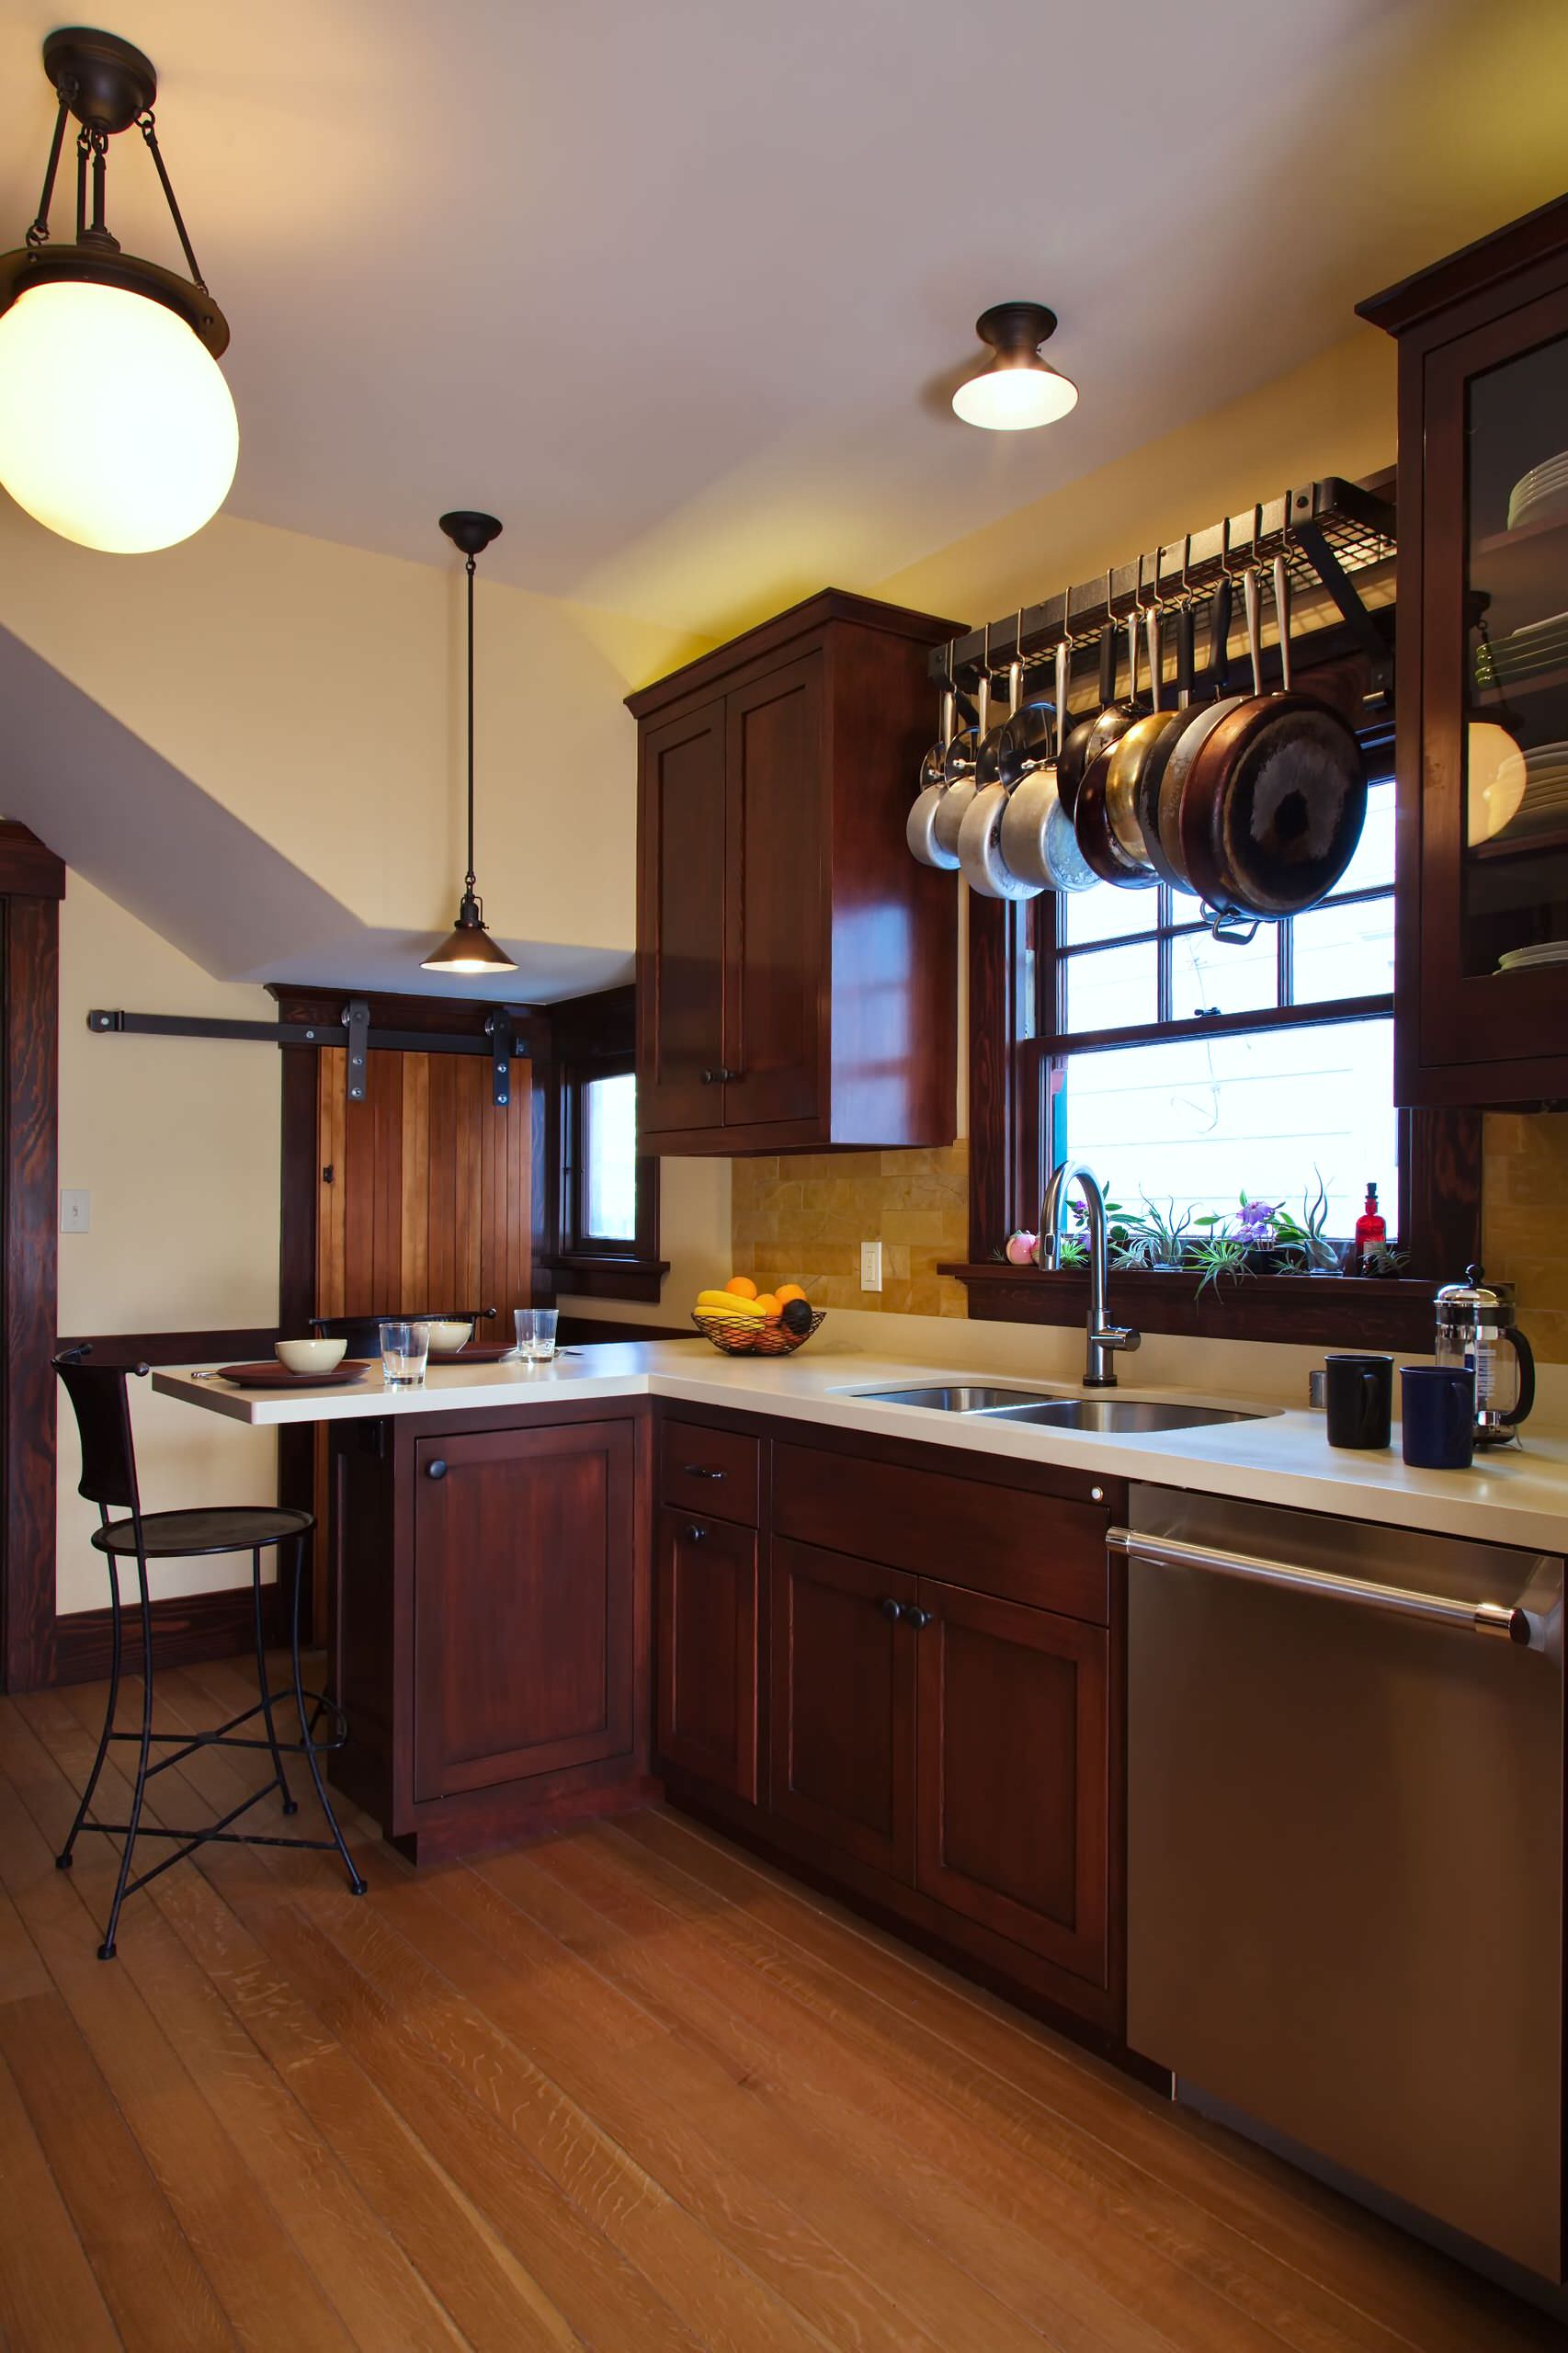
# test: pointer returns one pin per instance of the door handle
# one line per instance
(722, 1076)
(699, 1471)
(695, 1535)
(1514, 1624)
(436, 1469)
(891, 1610)
(917, 1616)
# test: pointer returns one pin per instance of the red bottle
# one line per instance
(1372, 1234)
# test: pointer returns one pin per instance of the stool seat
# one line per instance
(222, 1528)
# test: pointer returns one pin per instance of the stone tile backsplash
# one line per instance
(802, 1218)
(1525, 1227)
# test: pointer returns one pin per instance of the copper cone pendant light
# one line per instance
(469, 948)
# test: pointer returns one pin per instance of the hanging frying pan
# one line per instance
(919, 827)
(1273, 806)
(1187, 741)
(963, 756)
(1037, 838)
(1144, 787)
(1091, 816)
(985, 867)
(1132, 754)
(1103, 726)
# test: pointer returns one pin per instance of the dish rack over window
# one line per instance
(1338, 538)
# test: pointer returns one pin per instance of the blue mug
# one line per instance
(1437, 1416)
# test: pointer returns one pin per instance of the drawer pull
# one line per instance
(917, 1616)
(699, 1471)
(697, 1535)
(891, 1610)
(436, 1469)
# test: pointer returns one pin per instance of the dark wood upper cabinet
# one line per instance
(797, 970)
(1482, 685)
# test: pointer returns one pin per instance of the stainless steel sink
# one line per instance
(1063, 1413)
(955, 1400)
(1121, 1414)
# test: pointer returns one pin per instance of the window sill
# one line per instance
(1335, 1310)
(607, 1274)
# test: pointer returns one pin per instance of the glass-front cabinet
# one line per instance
(1482, 656)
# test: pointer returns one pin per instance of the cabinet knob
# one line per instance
(436, 1469)
(695, 1535)
(891, 1610)
(711, 1078)
(699, 1471)
(917, 1616)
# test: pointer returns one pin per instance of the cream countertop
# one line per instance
(1516, 1497)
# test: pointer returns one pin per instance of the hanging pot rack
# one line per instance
(1333, 534)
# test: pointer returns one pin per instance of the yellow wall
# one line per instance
(177, 1140)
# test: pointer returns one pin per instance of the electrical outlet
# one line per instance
(75, 1211)
(870, 1265)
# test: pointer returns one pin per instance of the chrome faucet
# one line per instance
(1104, 1339)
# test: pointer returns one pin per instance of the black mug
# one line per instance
(1359, 1391)
(1437, 1416)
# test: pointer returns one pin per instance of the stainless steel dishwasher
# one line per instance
(1345, 1851)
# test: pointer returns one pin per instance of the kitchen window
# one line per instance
(606, 1194)
(1192, 1070)
(1189, 1070)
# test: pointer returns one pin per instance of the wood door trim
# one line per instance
(1088, 1648)
(31, 925)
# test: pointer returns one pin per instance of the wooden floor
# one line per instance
(624, 2089)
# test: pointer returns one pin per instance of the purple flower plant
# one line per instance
(1255, 1222)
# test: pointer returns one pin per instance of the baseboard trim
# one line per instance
(185, 1629)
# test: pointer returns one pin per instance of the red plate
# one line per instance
(277, 1376)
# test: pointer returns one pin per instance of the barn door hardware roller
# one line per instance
(499, 1041)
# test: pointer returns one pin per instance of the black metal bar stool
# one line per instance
(102, 1407)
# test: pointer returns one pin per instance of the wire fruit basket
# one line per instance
(743, 1336)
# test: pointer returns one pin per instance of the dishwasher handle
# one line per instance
(1505, 1623)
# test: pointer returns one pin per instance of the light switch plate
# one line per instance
(870, 1265)
(75, 1211)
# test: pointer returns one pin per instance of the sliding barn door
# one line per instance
(427, 1187)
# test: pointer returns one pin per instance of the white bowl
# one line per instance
(447, 1336)
(310, 1356)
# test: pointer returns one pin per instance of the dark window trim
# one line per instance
(1440, 1170)
(594, 1036)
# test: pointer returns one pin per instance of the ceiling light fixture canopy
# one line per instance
(117, 428)
(467, 947)
(1017, 390)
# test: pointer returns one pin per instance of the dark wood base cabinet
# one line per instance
(896, 1670)
(490, 1621)
(899, 1674)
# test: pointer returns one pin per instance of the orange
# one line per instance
(787, 1291)
(743, 1286)
(772, 1308)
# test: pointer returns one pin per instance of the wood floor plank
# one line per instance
(377, 2291)
(492, 2297)
(267, 2291)
(600, 2291)
(1300, 2230)
(48, 2294)
(629, 2089)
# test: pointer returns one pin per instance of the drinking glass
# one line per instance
(405, 1348)
(536, 1333)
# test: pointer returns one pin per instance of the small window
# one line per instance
(609, 1159)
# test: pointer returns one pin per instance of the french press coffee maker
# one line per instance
(1476, 1329)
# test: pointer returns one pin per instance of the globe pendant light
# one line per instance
(468, 947)
(117, 428)
(1018, 389)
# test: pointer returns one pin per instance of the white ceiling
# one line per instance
(679, 290)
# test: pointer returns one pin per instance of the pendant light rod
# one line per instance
(470, 948)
